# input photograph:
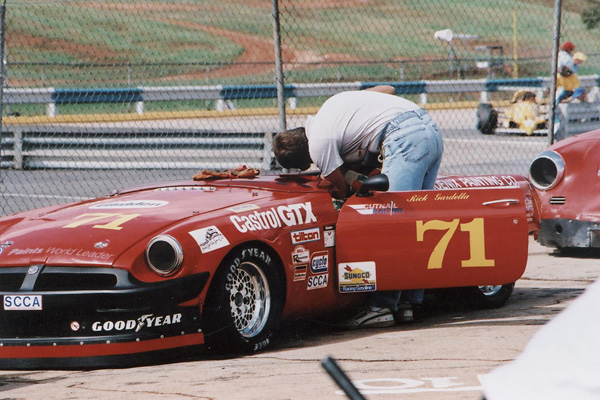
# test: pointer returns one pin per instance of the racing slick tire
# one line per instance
(244, 302)
(487, 119)
(480, 297)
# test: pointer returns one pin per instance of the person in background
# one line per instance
(351, 128)
(568, 64)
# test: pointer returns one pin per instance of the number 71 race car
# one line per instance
(162, 270)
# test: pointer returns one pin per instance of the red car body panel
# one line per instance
(465, 233)
(569, 211)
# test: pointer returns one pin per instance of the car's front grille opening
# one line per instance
(558, 200)
(11, 282)
(49, 281)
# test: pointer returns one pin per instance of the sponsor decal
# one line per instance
(22, 302)
(209, 239)
(243, 208)
(300, 255)
(319, 262)
(4, 245)
(101, 245)
(144, 321)
(27, 251)
(475, 181)
(329, 236)
(57, 251)
(317, 282)
(378, 209)
(299, 273)
(306, 235)
(357, 277)
(275, 217)
(131, 204)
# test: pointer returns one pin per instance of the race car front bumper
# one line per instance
(69, 317)
(569, 233)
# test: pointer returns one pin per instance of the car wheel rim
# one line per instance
(249, 299)
(490, 290)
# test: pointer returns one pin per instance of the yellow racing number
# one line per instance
(114, 224)
(476, 232)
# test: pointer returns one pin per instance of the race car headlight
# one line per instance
(164, 255)
(546, 170)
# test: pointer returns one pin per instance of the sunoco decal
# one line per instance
(209, 239)
(319, 262)
(306, 235)
(300, 255)
(275, 217)
(131, 204)
(377, 209)
(357, 277)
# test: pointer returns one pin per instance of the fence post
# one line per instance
(557, 16)
(278, 66)
(2, 14)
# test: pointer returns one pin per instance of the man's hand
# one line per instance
(335, 184)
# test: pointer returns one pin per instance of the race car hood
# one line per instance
(96, 232)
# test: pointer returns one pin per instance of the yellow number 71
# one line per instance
(476, 241)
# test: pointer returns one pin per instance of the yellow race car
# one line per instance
(524, 116)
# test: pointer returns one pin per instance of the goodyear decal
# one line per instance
(357, 277)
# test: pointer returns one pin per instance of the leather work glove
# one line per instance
(240, 172)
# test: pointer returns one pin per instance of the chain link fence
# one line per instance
(104, 95)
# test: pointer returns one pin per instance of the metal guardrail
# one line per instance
(36, 146)
(222, 94)
(47, 146)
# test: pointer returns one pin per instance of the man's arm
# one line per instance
(387, 89)
(335, 183)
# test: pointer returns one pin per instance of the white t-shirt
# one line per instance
(347, 123)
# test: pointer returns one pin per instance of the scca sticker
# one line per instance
(357, 277)
(209, 239)
(317, 282)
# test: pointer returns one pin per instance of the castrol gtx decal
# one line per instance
(274, 217)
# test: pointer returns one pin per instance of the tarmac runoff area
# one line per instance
(443, 357)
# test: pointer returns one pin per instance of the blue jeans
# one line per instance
(412, 149)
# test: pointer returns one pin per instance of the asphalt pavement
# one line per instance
(444, 356)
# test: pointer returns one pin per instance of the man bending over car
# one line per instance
(357, 127)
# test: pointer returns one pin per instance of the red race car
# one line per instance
(158, 270)
(565, 177)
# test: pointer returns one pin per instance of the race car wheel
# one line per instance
(481, 297)
(244, 302)
(487, 119)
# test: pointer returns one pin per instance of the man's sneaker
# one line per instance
(405, 313)
(372, 317)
